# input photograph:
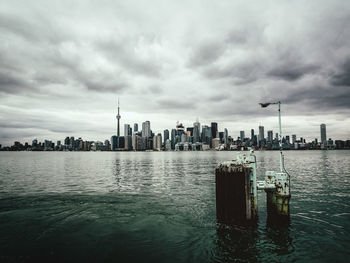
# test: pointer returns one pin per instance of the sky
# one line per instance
(64, 64)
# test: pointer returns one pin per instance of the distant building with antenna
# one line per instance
(118, 121)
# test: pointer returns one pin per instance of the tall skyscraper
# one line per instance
(173, 136)
(118, 120)
(269, 136)
(294, 138)
(196, 131)
(242, 135)
(225, 136)
(323, 133)
(214, 129)
(136, 127)
(113, 143)
(146, 129)
(261, 133)
(166, 135)
(252, 134)
(126, 129)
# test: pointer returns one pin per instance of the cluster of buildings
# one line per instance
(195, 138)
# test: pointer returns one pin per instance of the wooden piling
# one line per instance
(235, 202)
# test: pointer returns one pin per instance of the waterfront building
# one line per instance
(189, 131)
(196, 131)
(173, 135)
(216, 143)
(323, 133)
(214, 129)
(128, 142)
(166, 135)
(180, 129)
(120, 142)
(71, 142)
(168, 145)
(146, 129)
(183, 137)
(288, 139)
(66, 141)
(136, 127)
(242, 135)
(269, 136)
(251, 134)
(114, 142)
(225, 136)
(261, 133)
(126, 129)
(294, 138)
(141, 143)
(157, 142)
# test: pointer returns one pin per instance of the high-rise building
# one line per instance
(128, 142)
(166, 135)
(168, 145)
(136, 127)
(189, 131)
(173, 137)
(107, 144)
(294, 138)
(126, 129)
(196, 131)
(214, 129)
(225, 136)
(261, 133)
(146, 129)
(242, 135)
(323, 133)
(157, 142)
(118, 121)
(269, 136)
(288, 139)
(252, 134)
(114, 143)
(120, 142)
(71, 141)
(207, 135)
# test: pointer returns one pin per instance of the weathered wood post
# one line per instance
(236, 198)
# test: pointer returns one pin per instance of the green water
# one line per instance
(160, 207)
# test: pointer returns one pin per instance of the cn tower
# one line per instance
(118, 118)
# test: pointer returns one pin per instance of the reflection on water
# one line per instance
(236, 244)
(160, 207)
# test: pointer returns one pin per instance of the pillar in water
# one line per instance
(235, 195)
(278, 199)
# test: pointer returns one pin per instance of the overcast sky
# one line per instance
(63, 65)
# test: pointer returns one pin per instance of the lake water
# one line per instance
(160, 207)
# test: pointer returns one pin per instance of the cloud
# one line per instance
(342, 77)
(62, 67)
(290, 72)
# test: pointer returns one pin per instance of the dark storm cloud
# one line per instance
(342, 77)
(64, 63)
(320, 97)
(290, 72)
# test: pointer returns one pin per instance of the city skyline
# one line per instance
(63, 66)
